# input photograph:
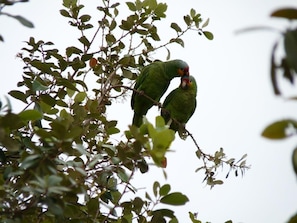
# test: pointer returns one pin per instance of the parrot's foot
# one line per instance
(159, 104)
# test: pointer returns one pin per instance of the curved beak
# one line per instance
(184, 82)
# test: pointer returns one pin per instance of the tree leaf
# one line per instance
(294, 160)
(85, 41)
(277, 130)
(273, 70)
(65, 13)
(293, 219)
(48, 99)
(187, 20)
(287, 13)
(290, 41)
(80, 96)
(160, 10)
(178, 40)
(85, 18)
(23, 21)
(131, 6)
(122, 174)
(175, 198)
(193, 217)
(19, 95)
(205, 23)
(69, 3)
(30, 115)
(208, 35)
(37, 86)
(175, 27)
(164, 190)
(192, 12)
(112, 130)
(156, 187)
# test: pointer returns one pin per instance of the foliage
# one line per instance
(21, 19)
(287, 66)
(58, 161)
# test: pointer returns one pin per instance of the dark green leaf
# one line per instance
(29, 115)
(160, 10)
(178, 40)
(19, 95)
(290, 42)
(110, 38)
(37, 86)
(80, 96)
(164, 190)
(113, 25)
(293, 219)
(288, 13)
(30, 161)
(287, 71)
(72, 50)
(192, 13)
(12, 121)
(273, 70)
(69, 3)
(131, 6)
(112, 130)
(126, 25)
(143, 166)
(188, 20)
(87, 57)
(175, 198)
(137, 204)
(84, 41)
(160, 213)
(44, 67)
(122, 175)
(65, 13)
(277, 130)
(208, 35)
(193, 218)
(23, 21)
(85, 18)
(175, 27)
(294, 160)
(67, 83)
(156, 187)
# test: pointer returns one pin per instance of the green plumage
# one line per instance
(180, 105)
(153, 81)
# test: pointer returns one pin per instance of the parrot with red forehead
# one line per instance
(180, 105)
(153, 82)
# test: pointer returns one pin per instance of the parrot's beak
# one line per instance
(186, 72)
(184, 83)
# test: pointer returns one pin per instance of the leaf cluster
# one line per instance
(287, 66)
(58, 160)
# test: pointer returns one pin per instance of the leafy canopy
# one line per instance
(58, 161)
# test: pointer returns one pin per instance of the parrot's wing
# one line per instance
(143, 76)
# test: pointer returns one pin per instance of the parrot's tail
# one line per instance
(137, 120)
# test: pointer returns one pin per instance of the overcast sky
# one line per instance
(235, 102)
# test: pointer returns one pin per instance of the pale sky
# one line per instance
(235, 102)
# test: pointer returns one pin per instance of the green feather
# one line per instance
(180, 105)
(153, 81)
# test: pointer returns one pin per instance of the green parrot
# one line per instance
(153, 81)
(180, 105)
